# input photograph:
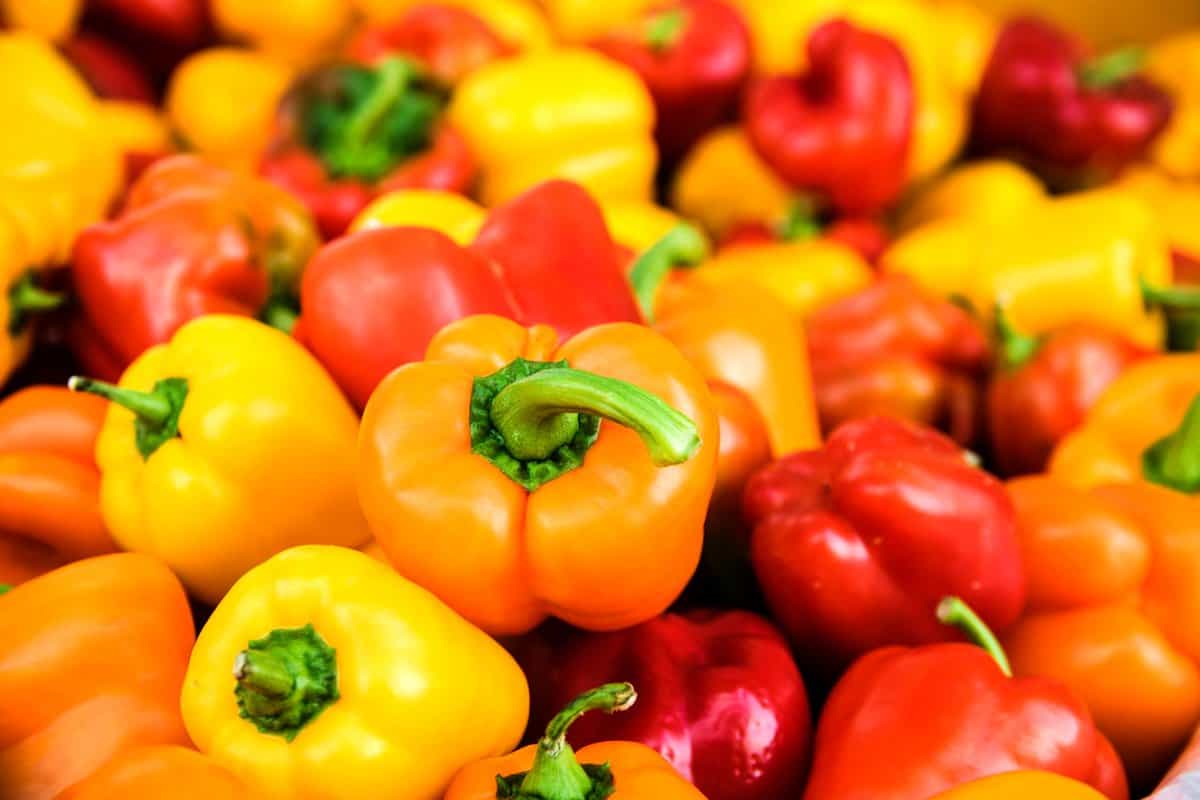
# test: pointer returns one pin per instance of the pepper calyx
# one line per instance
(156, 412)
(285, 680)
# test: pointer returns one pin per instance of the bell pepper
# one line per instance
(23, 301)
(94, 658)
(179, 25)
(564, 113)
(723, 699)
(989, 189)
(222, 103)
(159, 771)
(578, 21)
(637, 226)
(557, 528)
(309, 34)
(324, 674)
(1074, 120)
(347, 133)
(1174, 64)
(447, 212)
(49, 484)
(1182, 780)
(1176, 204)
(843, 128)
(447, 40)
(1028, 784)
(552, 770)
(193, 239)
(694, 56)
(858, 513)
(1082, 258)
(521, 24)
(895, 348)
(228, 417)
(976, 720)
(1045, 385)
(48, 19)
(866, 236)
(110, 70)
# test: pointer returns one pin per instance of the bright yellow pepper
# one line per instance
(578, 21)
(639, 225)
(1027, 785)
(1081, 258)
(990, 189)
(301, 33)
(135, 127)
(448, 212)
(568, 113)
(1176, 203)
(520, 23)
(1175, 64)
(241, 446)
(50, 19)
(222, 102)
(324, 674)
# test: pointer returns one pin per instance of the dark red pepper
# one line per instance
(843, 128)
(175, 24)
(720, 697)
(1074, 120)
(693, 56)
(855, 543)
(109, 69)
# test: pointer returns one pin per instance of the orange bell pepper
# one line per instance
(480, 448)
(49, 482)
(551, 770)
(1026, 784)
(160, 771)
(93, 662)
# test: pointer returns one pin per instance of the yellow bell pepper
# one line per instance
(222, 103)
(1026, 784)
(223, 447)
(520, 23)
(135, 127)
(568, 113)
(447, 212)
(325, 674)
(723, 159)
(1175, 64)
(578, 21)
(50, 19)
(991, 189)
(1081, 258)
(639, 225)
(1176, 203)
(301, 33)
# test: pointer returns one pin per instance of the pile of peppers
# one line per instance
(599, 400)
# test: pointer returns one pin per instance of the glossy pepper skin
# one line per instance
(324, 674)
(843, 128)
(976, 721)
(722, 699)
(193, 239)
(93, 661)
(347, 133)
(160, 771)
(1044, 386)
(694, 56)
(231, 417)
(895, 348)
(1075, 121)
(853, 553)
(431, 464)
(552, 770)
(1030, 784)
(49, 483)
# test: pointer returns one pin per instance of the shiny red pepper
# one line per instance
(843, 128)
(1076, 121)
(721, 697)
(348, 133)
(109, 69)
(855, 543)
(1044, 386)
(894, 348)
(450, 41)
(693, 56)
(192, 239)
(908, 724)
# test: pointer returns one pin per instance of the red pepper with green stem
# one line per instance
(348, 133)
(866, 236)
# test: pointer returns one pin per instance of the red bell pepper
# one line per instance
(179, 25)
(721, 697)
(843, 128)
(109, 69)
(348, 133)
(449, 41)
(1076, 121)
(1044, 387)
(866, 236)
(855, 543)
(894, 348)
(192, 239)
(908, 724)
(693, 56)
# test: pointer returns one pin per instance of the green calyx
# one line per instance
(1111, 68)
(1015, 349)
(682, 246)
(664, 29)
(1174, 460)
(362, 121)
(800, 223)
(26, 298)
(156, 411)
(556, 773)
(954, 612)
(535, 420)
(4, 588)
(285, 680)
(1181, 305)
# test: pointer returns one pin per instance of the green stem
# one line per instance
(1174, 460)
(5, 588)
(394, 75)
(800, 223)
(26, 298)
(1182, 298)
(263, 672)
(683, 245)
(285, 679)
(1016, 349)
(280, 315)
(156, 412)
(953, 611)
(1181, 306)
(665, 29)
(1111, 68)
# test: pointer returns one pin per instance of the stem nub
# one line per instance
(156, 412)
(1174, 460)
(953, 611)
(1112, 68)
(665, 28)
(1016, 349)
(285, 679)
(681, 246)
(26, 298)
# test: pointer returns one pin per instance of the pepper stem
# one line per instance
(4, 588)
(280, 315)
(683, 245)
(285, 679)
(1183, 298)
(800, 223)
(394, 75)
(1016, 348)
(665, 28)
(1174, 460)
(156, 412)
(26, 298)
(953, 611)
(1111, 68)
